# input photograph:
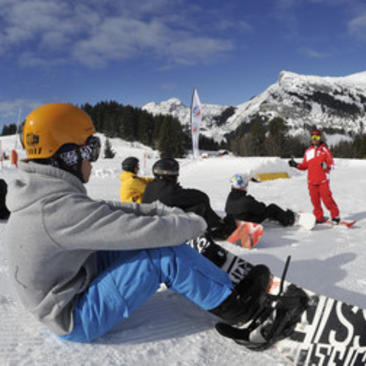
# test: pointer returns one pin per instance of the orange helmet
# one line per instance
(52, 125)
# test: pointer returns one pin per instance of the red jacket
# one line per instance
(313, 158)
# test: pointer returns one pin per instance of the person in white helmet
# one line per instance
(244, 207)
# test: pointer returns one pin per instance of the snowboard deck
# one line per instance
(247, 234)
(330, 331)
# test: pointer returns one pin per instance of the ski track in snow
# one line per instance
(169, 330)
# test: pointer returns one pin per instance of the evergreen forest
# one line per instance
(166, 134)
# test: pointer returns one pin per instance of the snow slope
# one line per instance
(168, 330)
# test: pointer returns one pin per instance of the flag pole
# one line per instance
(196, 117)
(17, 131)
(191, 121)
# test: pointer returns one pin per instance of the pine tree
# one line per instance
(171, 138)
(108, 152)
(276, 141)
(9, 129)
(257, 137)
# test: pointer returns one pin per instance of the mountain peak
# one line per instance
(334, 103)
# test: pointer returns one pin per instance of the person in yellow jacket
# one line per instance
(132, 186)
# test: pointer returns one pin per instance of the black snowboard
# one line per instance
(307, 328)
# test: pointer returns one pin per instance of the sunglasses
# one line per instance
(315, 137)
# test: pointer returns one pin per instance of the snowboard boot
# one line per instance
(247, 297)
(335, 220)
(229, 225)
(282, 320)
(218, 232)
(276, 321)
(321, 221)
(292, 217)
(224, 229)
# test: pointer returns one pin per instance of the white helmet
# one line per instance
(240, 181)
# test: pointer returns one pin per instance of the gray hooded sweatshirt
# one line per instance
(55, 230)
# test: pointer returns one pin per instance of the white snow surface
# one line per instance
(169, 330)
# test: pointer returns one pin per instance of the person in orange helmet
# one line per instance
(82, 266)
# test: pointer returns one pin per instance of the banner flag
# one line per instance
(196, 118)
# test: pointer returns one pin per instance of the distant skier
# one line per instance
(318, 161)
(166, 189)
(132, 186)
(81, 266)
(244, 207)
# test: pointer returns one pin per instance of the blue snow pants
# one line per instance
(126, 279)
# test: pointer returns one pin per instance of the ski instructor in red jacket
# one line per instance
(318, 160)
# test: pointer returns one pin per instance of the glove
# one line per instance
(324, 165)
(255, 180)
(292, 163)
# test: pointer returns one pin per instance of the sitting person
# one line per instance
(81, 266)
(132, 186)
(241, 206)
(166, 189)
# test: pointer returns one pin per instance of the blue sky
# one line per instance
(135, 52)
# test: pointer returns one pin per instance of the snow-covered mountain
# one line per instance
(211, 125)
(335, 104)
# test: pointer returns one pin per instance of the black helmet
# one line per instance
(130, 164)
(166, 167)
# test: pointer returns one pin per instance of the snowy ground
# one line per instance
(168, 330)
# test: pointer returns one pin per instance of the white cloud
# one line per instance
(357, 27)
(26, 20)
(121, 38)
(311, 53)
(30, 59)
(94, 33)
(11, 109)
(224, 24)
(189, 50)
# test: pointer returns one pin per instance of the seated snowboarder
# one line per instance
(166, 189)
(244, 207)
(86, 265)
(132, 186)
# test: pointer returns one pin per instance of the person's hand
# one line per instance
(292, 163)
(324, 165)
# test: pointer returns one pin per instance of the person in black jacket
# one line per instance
(166, 189)
(4, 212)
(241, 206)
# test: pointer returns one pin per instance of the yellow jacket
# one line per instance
(132, 187)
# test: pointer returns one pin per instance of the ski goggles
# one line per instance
(91, 150)
(70, 154)
(315, 137)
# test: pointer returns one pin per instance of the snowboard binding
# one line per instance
(274, 321)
